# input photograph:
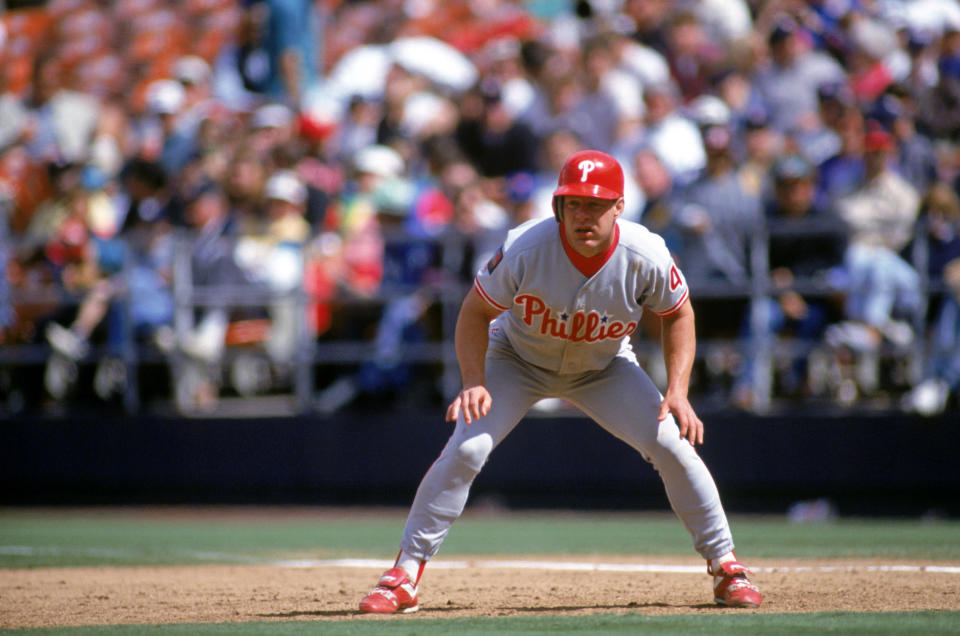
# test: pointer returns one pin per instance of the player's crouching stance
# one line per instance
(551, 316)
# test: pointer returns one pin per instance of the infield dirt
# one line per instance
(56, 597)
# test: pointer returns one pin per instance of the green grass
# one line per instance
(45, 539)
(925, 623)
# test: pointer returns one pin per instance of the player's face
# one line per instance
(588, 223)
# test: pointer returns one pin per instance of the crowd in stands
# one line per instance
(800, 157)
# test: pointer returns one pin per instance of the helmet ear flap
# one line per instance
(558, 208)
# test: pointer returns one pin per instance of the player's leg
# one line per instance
(624, 401)
(443, 492)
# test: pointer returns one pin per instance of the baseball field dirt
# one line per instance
(54, 597)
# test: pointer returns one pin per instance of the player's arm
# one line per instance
(679, 341)
(470, 341)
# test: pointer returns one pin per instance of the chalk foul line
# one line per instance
(583, 566)
(502, 564)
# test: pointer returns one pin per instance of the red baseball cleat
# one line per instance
(732, 588)
(394, 594)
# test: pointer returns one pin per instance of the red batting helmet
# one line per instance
(589, 173)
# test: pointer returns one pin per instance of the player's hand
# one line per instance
(474, 401)
(689, 424)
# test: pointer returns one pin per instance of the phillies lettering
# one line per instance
(579, 327)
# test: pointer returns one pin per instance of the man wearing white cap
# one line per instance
(193, 73)
(165, 137)
(165, 97)
(275, 258)
(286, 197)
(273, 125)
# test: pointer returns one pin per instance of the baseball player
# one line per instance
(550, 315)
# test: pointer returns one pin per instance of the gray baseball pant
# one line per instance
(621, 398)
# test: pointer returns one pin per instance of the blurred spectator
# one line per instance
(870, 43)
(650, 19)
(196, 345)
(27, 186)
(609, 97)
(387, 370)
(820, 23)
(716, 217)
(502, 61)
(942, 380)
(70, 251)
(938, 111)
(733, 86)
(273, 258)
(647, 67)
(202, 114)
(492, 138)
(805, 250)
(709, 110)
(671, 135)
(788, 85)
(194, 74)
(916, 158)
(921, 73)
(316, 165)
(807, 243)
(882, 292)
(941, 218)
(762, 145)
(727, 22)
(146, 196)
(291, 45)
(60, 120)
(114, 135)
(241, 70)
(385, 193)
(693, 55)
(359, 128)
(347, 255)
(272, 126)
(121, 277)
(431, 208)
(837, 110)
(172, 133)
(657, 186)
(551, 108)
(245, 177)
(843, 172)
(478, 228)
(13, 115)
(715, 220)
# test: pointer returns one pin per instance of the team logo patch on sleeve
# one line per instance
(495, 260)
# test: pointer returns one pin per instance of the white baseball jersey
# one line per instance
(560, 319)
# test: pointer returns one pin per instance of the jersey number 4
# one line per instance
(675, 280)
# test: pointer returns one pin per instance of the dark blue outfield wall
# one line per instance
(864, 464)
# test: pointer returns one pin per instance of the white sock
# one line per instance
(729, 556)
(410, 565)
